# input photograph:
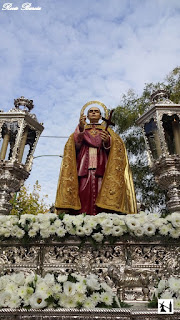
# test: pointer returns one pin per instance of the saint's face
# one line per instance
(94, 115)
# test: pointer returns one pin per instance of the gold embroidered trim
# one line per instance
(117, 190)
(67, 191)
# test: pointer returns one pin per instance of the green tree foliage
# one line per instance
(125, 117)
(28, 202)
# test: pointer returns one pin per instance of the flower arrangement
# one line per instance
(18, 290)
(98, 228)
(167, 289)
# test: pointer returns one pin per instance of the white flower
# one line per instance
(67, 219)
(62, 278)
(107, 230)
(29, 278)
(107, 298)
(139, 232)
(45, 225)
(142, 218)
(2, 231)
(17, 232)
(116, 221)
(95, 297)
(89, 304)
(49, 279)
(78, 220)
(37, 300)
(71, 230)
(80, 231)
(164, 229)
(166, 295)
(15, 290)
(62, 300)
(162, 285)
(175, 233)
(18, 278)
(32, 233)
(80, 287)
(117, 231)
(25, 218)
(78, 277)
(69, 302)
(7, 233)
(14, 302)
(3, 219)
(11, 287)
(45, 233)
(79, 297)
(4, 299)
(92, 282)
(29, 290)
(69, 288)
(149, 229)
(132, 223)
(106, 287)
(36, 226)
(175, 219)
(60, 232)
(98, 237)
(177, 303)
(174, 284)
(87, 230)
(90, 221)
(154, 216)
(107, 223)
(52, 229)
(56, 288)
(41, 286)
(58, 223)
(157, 222)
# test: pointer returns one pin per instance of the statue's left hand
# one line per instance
(105, 136)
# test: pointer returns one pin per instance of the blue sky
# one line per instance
(74, 51)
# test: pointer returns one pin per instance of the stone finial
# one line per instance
(159, 95)
(24, 102)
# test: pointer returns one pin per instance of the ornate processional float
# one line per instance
(116, 255)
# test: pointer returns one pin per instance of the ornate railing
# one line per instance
(70, 314)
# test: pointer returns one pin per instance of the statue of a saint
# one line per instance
(95, 175)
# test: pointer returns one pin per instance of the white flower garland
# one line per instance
(98, 227)
(168, 289)
(18, 290)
